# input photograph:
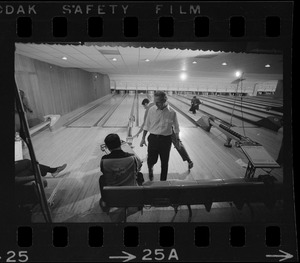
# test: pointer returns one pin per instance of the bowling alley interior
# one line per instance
(77, 93)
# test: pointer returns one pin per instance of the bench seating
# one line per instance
(176, 193)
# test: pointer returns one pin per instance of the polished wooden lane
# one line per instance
(77, 190)
(244, 104)
(120, 117)
(265, 136)
(96, 114)
(253, 112)
(271, 140)
(265, 100)
(184, 105)
(231, 114)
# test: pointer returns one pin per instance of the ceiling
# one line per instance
(131, 60)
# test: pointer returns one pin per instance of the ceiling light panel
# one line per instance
(150, 53)
(67, 49)
(188, 53)
(208, 56)
(81, 56)
(90, 50)
(34, 56)
(132, 60)
(25, 48)
(109, 52)
(170, 52)
(105, 47)
(44, 48)
(129, 51)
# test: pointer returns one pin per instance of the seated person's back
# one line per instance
(118, 167)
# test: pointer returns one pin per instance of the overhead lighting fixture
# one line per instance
(267, 66)
(224, 64)
(194, 62)
(114, 59)
(147, 60)
(64, 58)
(238, 74)
(183, 76)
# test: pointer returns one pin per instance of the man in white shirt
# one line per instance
(177, 143)
(160, 122)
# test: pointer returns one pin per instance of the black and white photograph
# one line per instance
(148, 131)
(207, 154)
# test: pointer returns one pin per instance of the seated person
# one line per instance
(118, 167)
(25, 180)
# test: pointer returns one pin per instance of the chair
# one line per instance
(117, 172)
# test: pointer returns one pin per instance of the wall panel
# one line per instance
(55, 90)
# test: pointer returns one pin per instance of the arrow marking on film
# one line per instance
(127, 257)
(284, 257)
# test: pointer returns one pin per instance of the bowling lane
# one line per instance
(183, 121)
(243, 104)
(120, 116)
(77, 193)
(266, 101)
(248, 112)
(225, 116)
(89, 119)
(269, 139)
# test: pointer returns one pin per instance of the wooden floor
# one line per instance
(75, 194)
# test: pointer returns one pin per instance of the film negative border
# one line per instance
(234, 23)
(161, 21)
(151, 242)
(165, 24)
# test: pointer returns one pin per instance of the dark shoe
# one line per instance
(191, 165)
(59, 169)
(151, 174)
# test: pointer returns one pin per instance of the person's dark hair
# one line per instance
(162, 96)
(145, 101)
(112, 141)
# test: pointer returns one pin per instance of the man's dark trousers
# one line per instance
(159, 145)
